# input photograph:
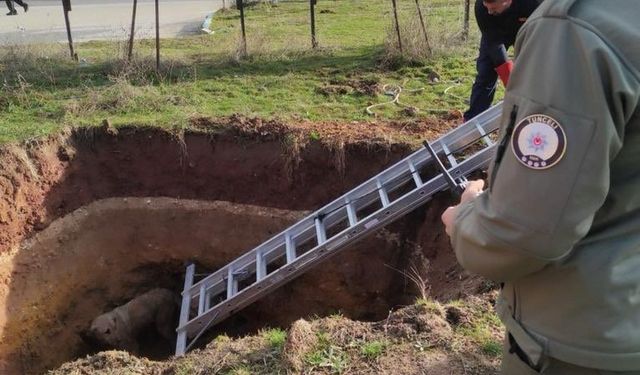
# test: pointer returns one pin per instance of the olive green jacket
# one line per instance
(562, 229)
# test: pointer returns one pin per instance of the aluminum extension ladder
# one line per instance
(375, 203)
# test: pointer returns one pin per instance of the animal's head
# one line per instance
(104, 329)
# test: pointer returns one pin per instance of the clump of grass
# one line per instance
(491, 348)
(327, 356)
(240, 370)
(220, 339)
(143, 70)
(185, 367)
(37, 64)
(414, 46)
(276, 338)
(482, 329)
(431, 306)
(373, 349)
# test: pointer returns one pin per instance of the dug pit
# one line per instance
(91, 218)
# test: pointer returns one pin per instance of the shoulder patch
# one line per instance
(538, 142)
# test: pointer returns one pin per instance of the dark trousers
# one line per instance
(10, 4)
(484, 87)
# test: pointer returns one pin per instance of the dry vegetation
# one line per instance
(461, 337)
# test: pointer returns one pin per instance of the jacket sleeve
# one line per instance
(531, 218)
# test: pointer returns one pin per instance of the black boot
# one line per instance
(12, 13)
(26, 7)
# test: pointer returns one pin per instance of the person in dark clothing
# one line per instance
(499, 22)
(12, 9)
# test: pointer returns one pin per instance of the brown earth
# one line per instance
(56, 275)
(413, 340)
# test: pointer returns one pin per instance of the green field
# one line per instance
(282, 77)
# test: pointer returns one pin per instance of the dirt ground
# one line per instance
(417, 339)
(91, 217)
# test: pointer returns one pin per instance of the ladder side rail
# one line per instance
(181, 342)
(274, 242)
(455, 138)
(217, 287)
(393, 178)
(217, 281)
(307, 225)
(463, 134)
(407, 203)
(242, 262)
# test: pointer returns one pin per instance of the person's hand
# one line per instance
(473, 189)
(448, 217)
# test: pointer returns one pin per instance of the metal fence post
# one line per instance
(240, 5)
(157, 37)
(465, 27)
(424, 29)
(66, 7)
(133, 29)
(314, 40)
(395, 16)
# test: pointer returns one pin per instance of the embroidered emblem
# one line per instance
(538, 142)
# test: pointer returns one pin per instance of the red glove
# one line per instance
(504, 71)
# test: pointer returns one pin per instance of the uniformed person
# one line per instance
(499, 22)
(559, 225)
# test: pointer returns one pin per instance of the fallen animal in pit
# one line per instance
(121, 327)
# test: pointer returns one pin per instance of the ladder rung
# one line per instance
(452, 159)
(384, 198)
(211, 291)
(320, 233)
(290, 248)
(261, 266)
(202, 299)
(415, 174)
(232, 284)
(351, 213)
(207, 301)
(487, 141)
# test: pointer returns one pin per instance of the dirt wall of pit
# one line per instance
(65, 259)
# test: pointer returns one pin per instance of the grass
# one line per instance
(492, 348)
(42, 90)
(482, 330)
(276, 337)
(373, 349)
(240, 370)
(328, 356)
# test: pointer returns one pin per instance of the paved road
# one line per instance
(102, 19)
